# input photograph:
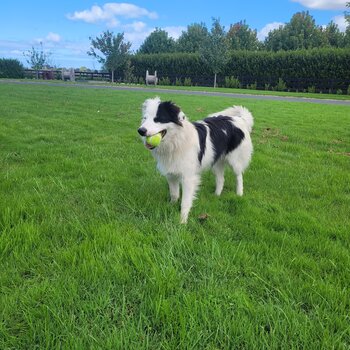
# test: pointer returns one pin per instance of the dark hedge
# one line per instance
(11, 68)
(322, 69)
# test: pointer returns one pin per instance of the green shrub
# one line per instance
(128, 72)
(339, 92)
(187, 82)
(11, 68)
(252, 86)
(348, 90)
(58, 75)
(267, 87)
(134, 80)
(178, 82)
(311, 89)
(231, 82)
(281, 85)
(164, 81)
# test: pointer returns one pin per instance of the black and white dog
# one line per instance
(189, 148)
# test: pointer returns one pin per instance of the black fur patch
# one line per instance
(202, 135)
(168, 112)
(224, 135)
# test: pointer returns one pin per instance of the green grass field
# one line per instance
(92, 255)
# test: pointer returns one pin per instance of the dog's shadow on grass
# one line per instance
(148, 198)
(208, 207)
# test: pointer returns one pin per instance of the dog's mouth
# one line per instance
(150, 147)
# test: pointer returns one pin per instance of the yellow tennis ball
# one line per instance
(154, 140)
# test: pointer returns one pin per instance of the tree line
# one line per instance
(214, 46)
(301, 32)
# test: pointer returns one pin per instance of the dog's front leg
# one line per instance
(189, 188)
(174, 187)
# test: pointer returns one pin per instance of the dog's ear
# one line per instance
(168, 112)
(149, 103)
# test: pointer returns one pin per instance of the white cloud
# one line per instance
(16, 52)
(115, 14)
(137, 32)
(128, 10)
(110, 12)
(341, 22)
(53, 37)
(174, 32)
(137, 38)
(113, 22)
(68, 53)
(50, 39)
(323, 4)
(93, 15)
(135, 27)
(263, 33)
(12, 45)
(38, 41)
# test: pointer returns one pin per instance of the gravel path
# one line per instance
(185, 92)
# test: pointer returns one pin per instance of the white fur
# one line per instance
(177, 154)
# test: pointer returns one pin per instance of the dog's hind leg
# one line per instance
(239, 178)
(219, 169)
(174, 187)
(189, 188)
(239, 184)
(239, 162)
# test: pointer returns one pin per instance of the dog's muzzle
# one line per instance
(142, 131)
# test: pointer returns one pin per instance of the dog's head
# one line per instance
(160, 117)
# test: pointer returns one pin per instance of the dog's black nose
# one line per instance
(142, 131)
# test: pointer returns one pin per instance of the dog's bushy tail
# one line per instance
(247, 117)
(238, 111)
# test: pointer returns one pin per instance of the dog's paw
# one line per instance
(174, 200)
(183, 219)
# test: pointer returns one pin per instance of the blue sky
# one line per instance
(64, 26)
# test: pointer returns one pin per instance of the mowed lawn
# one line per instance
(92, 255)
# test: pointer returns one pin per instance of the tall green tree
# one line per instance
(347, 32)
(304, 32)
(157, 42)
(214, 51)
(37, 58)
(275, 40)
(333, 36)
(241, 37)
(193, 38)
(110, 50)
(300, 33)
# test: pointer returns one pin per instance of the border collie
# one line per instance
(187, 148)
